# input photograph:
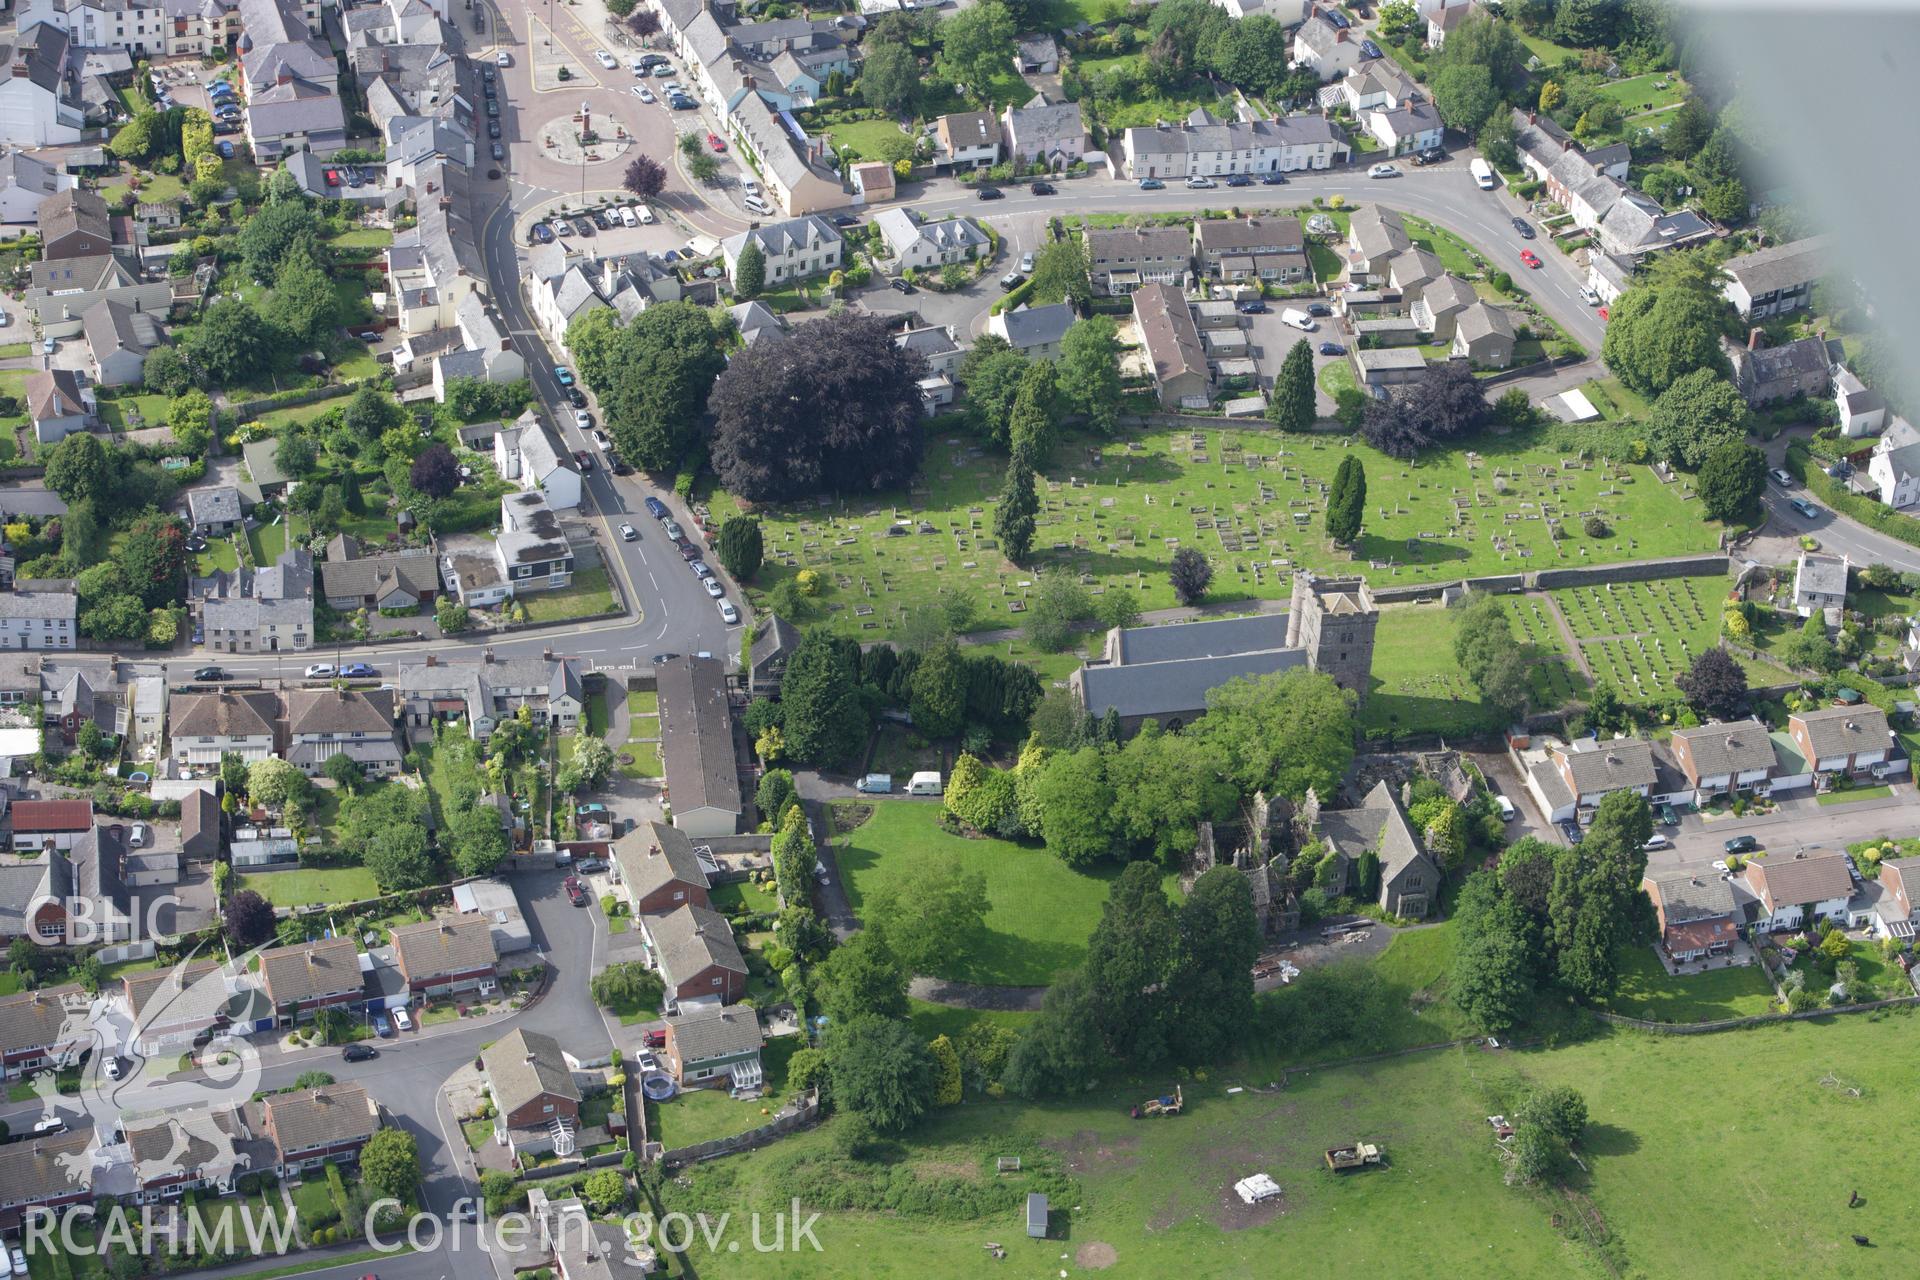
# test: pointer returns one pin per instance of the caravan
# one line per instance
(925, 783)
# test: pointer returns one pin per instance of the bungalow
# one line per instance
(714, 1046)
(1775, 280)
(1794, 891)
(1819, 583)
(1483, 336)
(448, 955)
(310, 1126)
(1035, 332)
(214, 512)
(303, 979)
(1181, 378)
(696, 733)
(1044, 132)
(1842, 740)
(1723, 759)
(50, 824)
(1696, 912)
(657, 868)
(33, 899)
(1574, 779)
(697, 956)
(36, 1030)
(533, 1089)
(119, 340)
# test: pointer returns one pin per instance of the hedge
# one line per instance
(1836, 495)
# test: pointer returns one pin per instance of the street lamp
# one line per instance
(586, 129)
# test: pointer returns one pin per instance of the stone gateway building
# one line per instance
(1165, 673)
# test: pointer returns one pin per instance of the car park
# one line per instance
(628, 533)
(989, 193)
(540, 233)
(628, 218)
(320, 671)
(1742, 844)
(1199, 182)
(643, 93)
(729, 614)
(1152, 184)
(1524, 227)
(1383, 171)
(1531, 258)
(599, 217)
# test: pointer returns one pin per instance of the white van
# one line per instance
(644, 214)
(637, 64)
(875, 784)
(627, 216)
(749, 186)
(1298, 319)
(925, 783)
(1507, 812)
(1482, 173)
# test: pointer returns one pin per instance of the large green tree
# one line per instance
(1013, 519)
(390, 1164)
(1347, 502)
(1060, 275)
(881, 1071)
(303, 304)
(1061, 1050)
(938, 701)
(1132, 960)
(1164, 786)
(1698, 413)
(1657, 335)
(652, 376)
(1281, 733)
(231, 344)
(862, 977)
(1465, 96)
(1089, 372)
(976, 46)
(991, 372)
(1732, 476)
(741, 546)
(1292, 408)
(276, 232)
(1074, 804)
(890, 77)
(1219, 942)
(1030, 424)
(824, 720)
(749, 270)
(1487, 653)
(934, 913)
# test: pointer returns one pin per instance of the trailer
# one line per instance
(1358, 1155)
(1168, 1104)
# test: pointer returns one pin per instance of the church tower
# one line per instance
(1333, 620)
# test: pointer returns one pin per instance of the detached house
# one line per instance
(301, 980)
(1842, 740)
(35, 1030)
(1404, 129)
(1819, 583)
(449, 955)
(773, 644)
(58, 404)
(709, 1047)
(658, 870)
(1894, 468)
(918, 245)
(1863, 410)
(1441, 304)
(1035, 332)
(1053, 133)
(533, 1089)
(1725, 759)
(791, 250)
(1697, 914)
(1409, 878)
(1776, 280)
(119, 339)
(1181, 377)
(1796, 890)
(697, 957)
(1327, 45)
(1766, 374)
(530, 455)
(310, 1126)
(1374, 235)
(966, 140)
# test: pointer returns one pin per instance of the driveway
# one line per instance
(1794, 826)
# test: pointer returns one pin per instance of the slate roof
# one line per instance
(1611, 765)
(1167, 329)
(38, 604)
(522, 1065)
(1029, 327)
(195, 995)
(1448, 294)
(229, 713)
(1203, 132)
(91, 272)
(1780, 267)
(779, 239)
(1406, 121)
(964, 130)
(214, 506)
(693, 938)
(1208, 638)
(35, 1019)
(37, 1169)
(259, 456)
(327, 1116)
(775, 146)
(1117, 246)
(1824, 575)
(74, 210)
(294, 107)
(1248, 235)
(703, 1034)
(339, 711)
(310, 969)
(902, 229)
(774, 637)
(114, 326)
(200, 823)
(1787, 881)
(654, 855)
(53, 393)
(1683, 896)
(757, 322)
(1414, 267)
(1728, 748)
(1165, 688)
(447, 945)
(1042, 126)
(696, 734)
(1378, 232)
(377, 575)
(1839, 731)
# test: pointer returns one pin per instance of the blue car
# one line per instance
(563, 375)
(542, 233)
(1152, 184)
(225, 149)
(656, 508)
(358, 670)
(382, 1027)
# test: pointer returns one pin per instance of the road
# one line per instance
(1838, 534)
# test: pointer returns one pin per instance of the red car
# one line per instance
(1603, 315)
(333, 177)
(717, 142)
(1531, 258)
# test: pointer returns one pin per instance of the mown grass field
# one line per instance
(1254, 501)
(301, 887)
(1418, 688)
(1040, 910)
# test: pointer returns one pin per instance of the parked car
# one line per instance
(320, 671)
(718, 143)
(1319, 309)
(1273, 179)
(1531, 258)
(1026, 262)
(1200, 182)
(713, 587)
(1589, 296)
(1780, 478)
(1524, 227)
(729, 614)
(1571, 830)
(845, 220)
(382, 1027)
(643, 93)
(628, 533)
(563, 375)
(1240, 180)
(1152, 184)
(1041, 188)
(605, 59)
(503, 59)
(1254, 307)
(989, 193)
(403, 1020)
(582, 419)
(1012, 280)
(499, 152)
(875, 784)
(700, 569)
(617, 464)
(656, 508)
(224, 149)
(1332, 349)
(592, 809)
(1657, 841)
(493, 129)
(673, 528)
(575, 397)
(590, 866)
(584, 461)
(359, 670)
(1805, 508)
(687, 550)
(1507, 812)
(17, 1258)
(359, 1053)
(1383, 171)
(899, 285)
(114, 1066)
(1742, 844)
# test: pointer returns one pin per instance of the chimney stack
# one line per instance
(1756, 338)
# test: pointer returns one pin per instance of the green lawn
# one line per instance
(313, 1201)
(646, 759)
(1115, 510)
(302, 887)
(865, 136)
(134, 412)
(700, 1115)
(477, 1132)
(1418, 688)
(220, 554)
(1614, 400)
(9, 982)
(588, 596)
(1452, 251)
(1655, 91)
(269, 540)
(1857, 793)
(743, 896)
(363, 238)
(1648, 991)
(276, 418)
(643, 702)
(1336, 376)
(1546, 50)
(1040, 912)
(930, 1020)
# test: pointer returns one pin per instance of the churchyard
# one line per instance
(1115, 510)
(1418, 688)
(1639, 635)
